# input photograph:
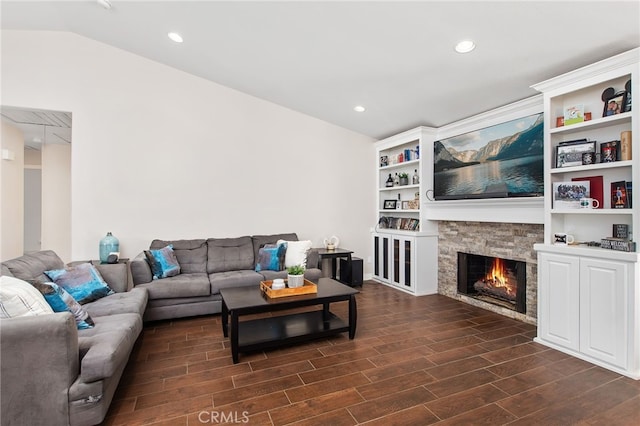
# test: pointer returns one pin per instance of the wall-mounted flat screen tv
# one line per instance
(505, 160)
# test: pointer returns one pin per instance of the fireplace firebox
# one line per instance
(493, 280)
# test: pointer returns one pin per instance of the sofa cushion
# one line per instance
(131, 302)
(183, 285)
(61, 301)
(83, 282)
(32, 265)
(191, 254)
(163, 262)
(271, 257)
(230, 254)
(106, 347)
(262, 240)
(18, 298)
(234, 279)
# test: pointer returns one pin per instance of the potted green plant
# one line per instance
(404, 178)
(295, 276)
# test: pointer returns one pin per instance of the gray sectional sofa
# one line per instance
(207, 265)
(55, 374)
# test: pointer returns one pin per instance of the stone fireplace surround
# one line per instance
(506, 240)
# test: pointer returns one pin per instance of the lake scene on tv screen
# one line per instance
(505, 160)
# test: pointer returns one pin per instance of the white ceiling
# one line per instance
(323, 58)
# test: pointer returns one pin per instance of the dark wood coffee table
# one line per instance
(269, 332)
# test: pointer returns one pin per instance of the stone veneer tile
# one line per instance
(506, 240)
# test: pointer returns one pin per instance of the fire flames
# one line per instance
(497, 278)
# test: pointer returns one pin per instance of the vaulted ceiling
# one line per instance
(396, 59)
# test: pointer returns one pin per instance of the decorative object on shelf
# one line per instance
(295, 276)
(589, 203)
(625, 145)
(401, 158)
(415, 179)
(403, 179)
(627, 106)
(390, 204)
(396, 180)
(407, 154)
(563, 239)
(567, 195)
(573, 114)
(609, 151)
(620, 230)
(559, 121)
(629, 194)
(417, 150)
(596, 188)
(405, 205)
(389, 182)
(569, 153)
(413, 204)
(618, 244)
(331, 243)
(109, 245)
(398, 204)
(587, 116)
(619, 199)
(588, 158)
(614, 102)
(384, 161)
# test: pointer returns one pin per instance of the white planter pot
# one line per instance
(294, 281)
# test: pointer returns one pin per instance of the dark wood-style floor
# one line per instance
(414, 361)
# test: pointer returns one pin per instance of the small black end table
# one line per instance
(334, 255)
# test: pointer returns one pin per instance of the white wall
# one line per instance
(11, 193)
(158, 153)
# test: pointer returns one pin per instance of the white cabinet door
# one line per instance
(603, 310)
(558, 299)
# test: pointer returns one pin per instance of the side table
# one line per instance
(334, 255)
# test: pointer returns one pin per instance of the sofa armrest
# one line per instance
(141, 270)
(39, 363)
(313, 259)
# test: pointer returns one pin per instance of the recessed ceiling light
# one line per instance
(358, 108)
(175, 37)
(465, 46)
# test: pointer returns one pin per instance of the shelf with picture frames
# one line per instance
(588, 304)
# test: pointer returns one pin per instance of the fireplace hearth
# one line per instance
(493, 280)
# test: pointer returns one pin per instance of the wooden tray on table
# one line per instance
(307, 288)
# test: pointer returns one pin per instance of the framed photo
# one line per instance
(619, 196)
(405, 205)
(566, 195)
(570, 154)
(609, 151)
(390, 204)
(616, 104)
(384, 161)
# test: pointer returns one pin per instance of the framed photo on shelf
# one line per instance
(566, 195)
(615, 104)
(619, 196)
(390, 204)
(573, 114)
(405, 205)
(569, 154)
(609, 151)
(384, 161)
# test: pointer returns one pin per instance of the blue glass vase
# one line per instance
(108, 244)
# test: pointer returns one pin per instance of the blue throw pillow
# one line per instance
(61, 301)
(83, 282)
(271, 257)
(163, 262)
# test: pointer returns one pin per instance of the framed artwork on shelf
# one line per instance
(567, 195)
(596, 188)
(384, 161)
(569, 154)
(573, 114)
(619, 196)
(390, 204)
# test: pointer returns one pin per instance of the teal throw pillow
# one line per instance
(83, 282)
(271, 257)
(163, 262)
(61, 301)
